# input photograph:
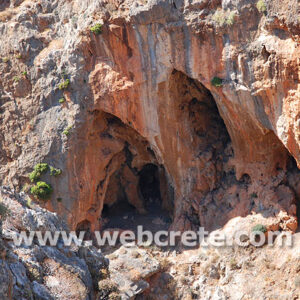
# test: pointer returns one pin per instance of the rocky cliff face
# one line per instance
(141, 93)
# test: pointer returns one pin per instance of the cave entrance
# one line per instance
(140, 204)
(149, 187)
(135, 190)
(85, 226)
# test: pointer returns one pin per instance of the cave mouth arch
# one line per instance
(194, 145)
(135, 188)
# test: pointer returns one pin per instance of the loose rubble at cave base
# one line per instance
(84, 272)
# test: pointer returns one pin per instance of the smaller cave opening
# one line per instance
(149, 187)
(136, 204)
(85, 226)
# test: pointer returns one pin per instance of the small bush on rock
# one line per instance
(259, 228)
(38, 170)
(64, 84)
(41, 190)
(222, 17)
(261, 6)
(230, 18)
(67, 130)
(61, 100)
(96, 29)
(217, 82)
(54, 171)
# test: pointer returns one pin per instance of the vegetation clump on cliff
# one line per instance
(38, 170)
(41, 190)
(222, 17)
(54, 171)
(217, 82)
(261, 6)
(259, 228)
(64, 84)
(67, 130)
(97, 29)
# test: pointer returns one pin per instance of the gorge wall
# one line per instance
(141, 93)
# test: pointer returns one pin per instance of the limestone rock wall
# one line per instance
(144, 85)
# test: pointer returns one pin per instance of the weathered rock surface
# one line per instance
(141, 93)
(130, 267)
(43, 272)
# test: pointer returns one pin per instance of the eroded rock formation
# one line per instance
(141, 93)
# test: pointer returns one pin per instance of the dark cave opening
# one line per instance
(85, 226)
(137, 190)
(124, 213)
(149, 187)
(121, 206)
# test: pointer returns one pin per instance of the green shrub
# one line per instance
(64, 84)
(259, 228)
(18, 56)
(222, 17)
(38, 170)
(230, 18)
(5, 59)
(24, 73)
(4, 212)
(59, 199)
(16, 78)
(96, 29)
(254, 195)
(219, 17)
(261, 6)
(54, 171)
(67, 130)
(41, 190)
(217, 82)
(62, 100)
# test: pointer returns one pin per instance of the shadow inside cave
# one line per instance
(125, 216)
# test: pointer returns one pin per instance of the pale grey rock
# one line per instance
(130, 268)
(37, 272)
